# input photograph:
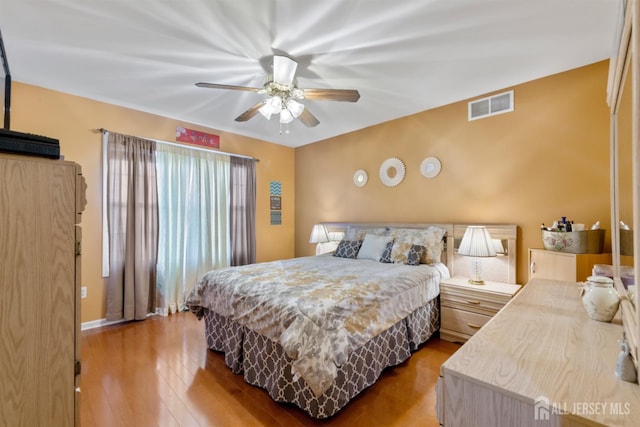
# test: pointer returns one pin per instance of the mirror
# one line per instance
(625, 170)
(624, 96)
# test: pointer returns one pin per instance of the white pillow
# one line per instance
(373, 246)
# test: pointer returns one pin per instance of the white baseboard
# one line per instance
(104, 322)
(98, 323)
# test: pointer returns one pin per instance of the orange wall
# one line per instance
(73, 121)
(548, 158)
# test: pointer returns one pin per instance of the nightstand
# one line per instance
(465, 308)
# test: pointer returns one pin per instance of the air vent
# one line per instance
(496, 104)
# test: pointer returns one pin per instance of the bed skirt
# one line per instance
(264, 363)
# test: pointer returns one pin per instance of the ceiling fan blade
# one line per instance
(251, 111)
(232, 87)
(347, 95)
(308, 119)
(284, 70)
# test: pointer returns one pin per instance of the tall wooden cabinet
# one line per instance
(40, 205)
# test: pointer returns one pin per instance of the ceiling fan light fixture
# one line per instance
(283, 95)
(276, 104)
(266, 110)
(294, 107)
(296, 93)
(286, 116)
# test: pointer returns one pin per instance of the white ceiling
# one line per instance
(403, 56)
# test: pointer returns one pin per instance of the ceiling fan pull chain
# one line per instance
(286, 128)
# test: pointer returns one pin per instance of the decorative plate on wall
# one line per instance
(360, 178)
(430, 167)
(392, 172)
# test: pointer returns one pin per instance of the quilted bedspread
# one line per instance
(317, 308)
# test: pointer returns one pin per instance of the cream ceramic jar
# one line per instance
(600, 298)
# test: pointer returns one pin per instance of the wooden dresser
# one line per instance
(40, 205)
(539, 362)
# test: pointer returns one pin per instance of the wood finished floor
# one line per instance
(159, 373)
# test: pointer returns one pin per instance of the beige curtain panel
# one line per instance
(243, 211)
(132, 211)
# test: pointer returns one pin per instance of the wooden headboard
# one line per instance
(447, 253)
(501, 268)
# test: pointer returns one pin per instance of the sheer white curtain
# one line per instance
(193, 200)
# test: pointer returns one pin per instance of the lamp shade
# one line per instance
(266, 110)
(319, 234)
(285, 116)
(477, 242)
(295, 107)
(276, 104)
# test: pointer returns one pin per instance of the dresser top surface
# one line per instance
(543, 345)
(488, 286)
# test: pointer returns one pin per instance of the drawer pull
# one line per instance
(473, 325)
(473, 302)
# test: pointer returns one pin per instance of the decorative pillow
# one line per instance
(357, 233)
(373, 246)
(386, 254)
(415, 254)
(430, 238)
(406, 253)
(348, 249)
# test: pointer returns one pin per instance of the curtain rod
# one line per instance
(103, 130)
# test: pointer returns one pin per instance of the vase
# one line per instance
(600, 299)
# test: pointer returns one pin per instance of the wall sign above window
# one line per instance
(198, 138)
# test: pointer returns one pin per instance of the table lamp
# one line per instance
(477, 243)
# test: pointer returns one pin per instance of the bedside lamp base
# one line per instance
(477, 273)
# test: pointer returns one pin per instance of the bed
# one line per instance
(315, 331)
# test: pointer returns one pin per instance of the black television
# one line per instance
(19, 142)
(5, 89)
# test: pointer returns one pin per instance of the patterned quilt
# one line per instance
(317, 308)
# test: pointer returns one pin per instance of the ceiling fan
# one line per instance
(284, 95)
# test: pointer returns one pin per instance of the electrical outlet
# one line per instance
(83, 292)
